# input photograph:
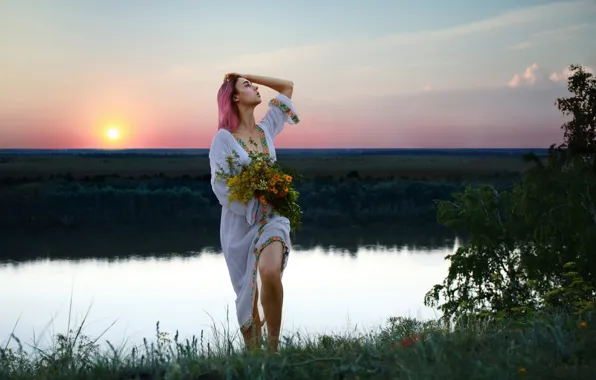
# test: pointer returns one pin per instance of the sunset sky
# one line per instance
(369, 73)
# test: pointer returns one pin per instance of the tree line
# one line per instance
(183, 201)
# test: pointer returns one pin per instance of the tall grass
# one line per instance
(555, 346)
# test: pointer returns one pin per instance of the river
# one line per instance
(327, 290)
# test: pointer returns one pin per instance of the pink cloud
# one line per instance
(530, 76)
(565, 73)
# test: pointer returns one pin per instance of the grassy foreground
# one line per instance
(554, 347)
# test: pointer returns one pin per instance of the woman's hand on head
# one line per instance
(229, 75)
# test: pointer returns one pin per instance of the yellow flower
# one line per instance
(522, 371)
(265, 177)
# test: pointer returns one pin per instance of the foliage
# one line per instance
(263, 179)
(524, 242)
(580, 131)
(554, 346)
(575, 296)
(162, 202)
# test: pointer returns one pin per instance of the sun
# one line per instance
(113, 133)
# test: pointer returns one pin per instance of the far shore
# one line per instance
(188, 166)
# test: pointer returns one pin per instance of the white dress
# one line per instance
(247, 228)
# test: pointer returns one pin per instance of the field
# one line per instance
(548, 347)
(427, 167)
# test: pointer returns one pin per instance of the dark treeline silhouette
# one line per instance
(164, 202)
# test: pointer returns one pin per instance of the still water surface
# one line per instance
(326, 291)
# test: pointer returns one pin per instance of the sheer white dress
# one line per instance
(247, 228)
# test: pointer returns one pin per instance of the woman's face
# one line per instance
(246, 93)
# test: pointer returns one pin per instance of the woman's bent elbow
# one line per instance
(288, 90)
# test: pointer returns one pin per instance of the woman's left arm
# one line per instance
(283, 86)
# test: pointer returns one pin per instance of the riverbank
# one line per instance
(553, 347)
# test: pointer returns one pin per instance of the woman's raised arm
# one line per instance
(283, 86)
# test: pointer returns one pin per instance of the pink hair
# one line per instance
(228, 111)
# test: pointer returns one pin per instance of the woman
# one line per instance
(255, 242)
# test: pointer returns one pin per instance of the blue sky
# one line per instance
(367, 73)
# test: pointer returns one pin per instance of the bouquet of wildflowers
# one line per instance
(265, 179)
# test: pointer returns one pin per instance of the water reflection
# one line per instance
(118, 242)
(326, 290)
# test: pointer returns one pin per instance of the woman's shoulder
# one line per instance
(219, 142)
(222, 136)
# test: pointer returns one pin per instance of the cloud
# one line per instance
(427, 88)
(529, 77)
(504, 20)
(521, 46)
(393, 63)
(564, 74)
(550, 35)
(564, 32)
(559, 77)
(534, 74)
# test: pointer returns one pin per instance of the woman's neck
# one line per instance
(246, 119)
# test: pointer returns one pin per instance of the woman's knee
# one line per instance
(269, 274)
(270, 262)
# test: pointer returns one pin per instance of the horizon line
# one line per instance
(277, 149)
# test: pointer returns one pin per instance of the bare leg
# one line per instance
(272, 290)
(252, 336)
